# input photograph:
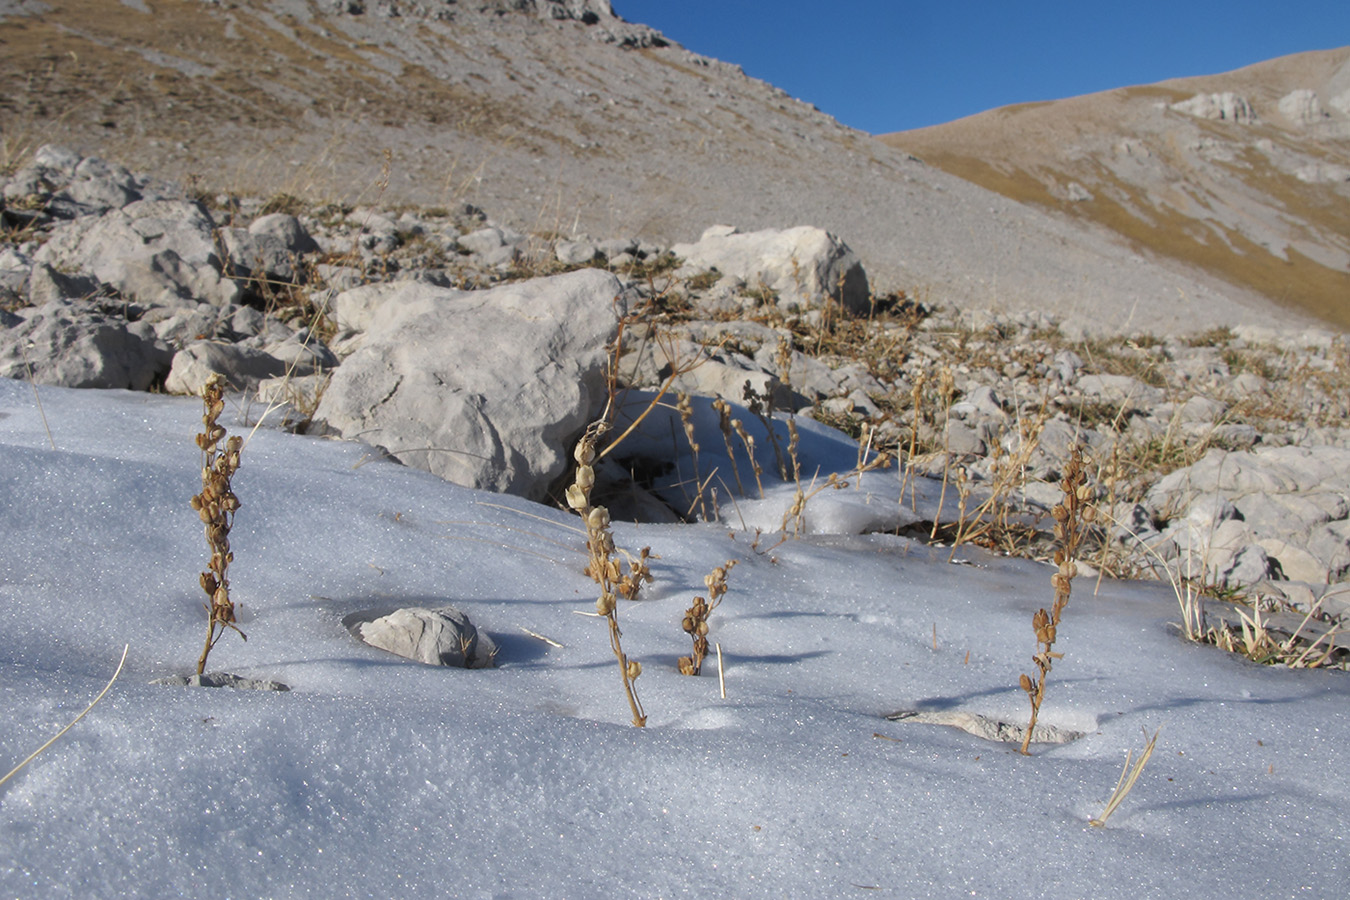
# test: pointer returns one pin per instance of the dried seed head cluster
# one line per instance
(602, 566)
(216, 506)
(1073, 516)
(695, 623)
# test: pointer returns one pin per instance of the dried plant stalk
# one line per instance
(724, 423)
(216, 506)
(603, 567)
(1072, 518)
(695, 622)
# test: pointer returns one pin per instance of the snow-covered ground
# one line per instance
(378, 777)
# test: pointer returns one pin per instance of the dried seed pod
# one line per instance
(597, 519)
(1026, 684)
(576, 497)
(634, 669)
(585, 477)
(584, 453)
(605, 605)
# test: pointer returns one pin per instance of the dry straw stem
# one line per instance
(73, 722)
(1128, 776)
(216, 506)
(947, 388)
(1072, 518)
(991, 520)
(723, 409)
(1189, 598)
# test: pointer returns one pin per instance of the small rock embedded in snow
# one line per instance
(221, 679)
(437, 637)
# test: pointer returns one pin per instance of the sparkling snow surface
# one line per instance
(377, 777)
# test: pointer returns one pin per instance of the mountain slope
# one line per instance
(555, 117)
(1245, 175)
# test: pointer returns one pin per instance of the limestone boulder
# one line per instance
(243, 367)
(75, 345)
(157, 252)
(271, 248)
(1273, 508)
(488, 389)
(803, 265)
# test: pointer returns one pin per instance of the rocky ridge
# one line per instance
(1245, 174)
(1221, 455)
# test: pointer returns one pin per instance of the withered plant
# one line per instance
(1072, 518)
(1128, 776)
(947, 389)
(216, 506)
(761, 406)
(602, 564)
(907, 472)
(695, 622)
(724, 424)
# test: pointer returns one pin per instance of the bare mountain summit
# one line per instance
(556, 116)
(1245, 175)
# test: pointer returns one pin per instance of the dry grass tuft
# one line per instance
(1128, 777)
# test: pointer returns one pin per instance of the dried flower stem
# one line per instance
(603, 567)
(1072, 518)
(695, 622)
(216, 505)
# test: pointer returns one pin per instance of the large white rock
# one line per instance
(803, 265)
(243, 367)
(488, 389)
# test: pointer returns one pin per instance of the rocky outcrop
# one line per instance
(1226, 106)
(1242, 517)
(1302, 108)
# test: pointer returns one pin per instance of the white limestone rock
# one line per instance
(1302, 108)
(71, 345)
(434, 637)
(802, 265)
(488, 389)
(158, 252)
(1226, 106)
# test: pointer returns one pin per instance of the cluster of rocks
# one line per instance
(459, 345)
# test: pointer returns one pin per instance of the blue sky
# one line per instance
(892, 65)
